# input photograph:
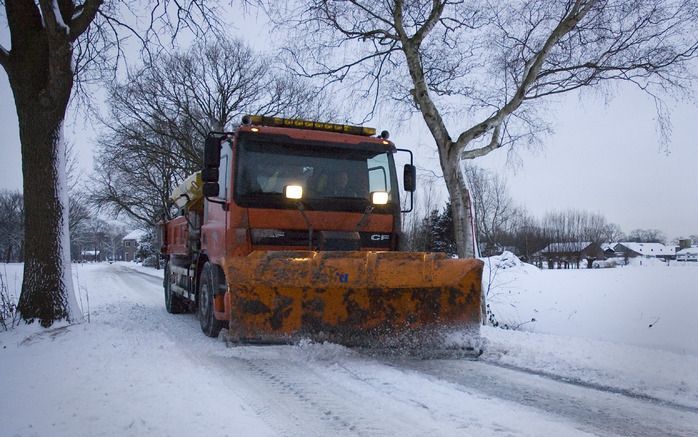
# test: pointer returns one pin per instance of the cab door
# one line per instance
(213, 232)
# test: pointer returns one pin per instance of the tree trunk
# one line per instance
(41, 78)
(461, 212)
(47, 288)
(460, 208)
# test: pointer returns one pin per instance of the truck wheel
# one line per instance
(174, 303)
(210, 279)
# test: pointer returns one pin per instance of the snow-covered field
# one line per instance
(634, 328)
(651, 305)
(134, 369)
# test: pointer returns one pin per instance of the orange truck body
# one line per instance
(276, 270)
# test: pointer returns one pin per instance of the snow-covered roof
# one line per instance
(135, 235)
(650, 249)
(575, 246)
(606, 246)
(688, 251)
(90, 252)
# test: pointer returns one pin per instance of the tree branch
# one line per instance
(530, 74)
(4, 57)
(53, 19)
(437, 9)
(420, 93)
(494, 144)
(83, 17)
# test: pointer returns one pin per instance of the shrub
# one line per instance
(8, 307)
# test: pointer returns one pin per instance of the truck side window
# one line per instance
(224, 171)
(379, 173)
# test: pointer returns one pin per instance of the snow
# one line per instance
(576, 246)
(616, 305)
(59, 17)
(150, 271)
(134, 369)
(687, 254)
(649, 249)
(134, 235)
(632, 328)
(73, 310)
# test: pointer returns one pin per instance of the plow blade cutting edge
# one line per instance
(366, 299)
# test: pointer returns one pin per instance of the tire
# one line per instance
(210, 279)
(174, 303)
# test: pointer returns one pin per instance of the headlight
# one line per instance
(379, 198)
(293, 191)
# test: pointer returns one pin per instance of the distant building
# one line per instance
(647, 250)
(609, 249)
(130, 242)
(567, 255)
(688, 254)
(90, 256)
(685, 243)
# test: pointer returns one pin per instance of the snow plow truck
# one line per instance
(292, 230)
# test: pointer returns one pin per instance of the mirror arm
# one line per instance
(223, 203)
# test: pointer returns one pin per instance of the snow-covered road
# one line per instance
(135, 369)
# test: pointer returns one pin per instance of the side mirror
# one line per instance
(409, 178)
(209, 174)
(212, 151)
(211, 189)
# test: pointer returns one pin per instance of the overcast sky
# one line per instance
(604, 158)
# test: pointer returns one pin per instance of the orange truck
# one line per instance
(292, 230)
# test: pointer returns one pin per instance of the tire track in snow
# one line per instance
(298, 401)
(600, 412)
(298, 395)
(600, 387)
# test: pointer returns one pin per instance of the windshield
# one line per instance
(332, 176)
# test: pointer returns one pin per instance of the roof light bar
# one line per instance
(308, 124)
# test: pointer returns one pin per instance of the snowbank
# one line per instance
(639, 371)
(158, 273)
(127, 372)
(649, 305)
(632, 328)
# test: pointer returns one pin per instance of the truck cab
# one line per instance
(273, 186)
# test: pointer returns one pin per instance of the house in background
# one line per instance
(647, 250)
(688, 254)
(90, 256)
(130, 242)
(568, 255)
(609, 249)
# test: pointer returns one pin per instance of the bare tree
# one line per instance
(78, 204)
(11, 226)
(574, 225)
(54, 46)
(646, 236)
(478, 72)
(526, 234)
(613, 233)
(416, 225)
(160, 115)
(493, 206)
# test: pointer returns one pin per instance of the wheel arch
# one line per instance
(200, 262)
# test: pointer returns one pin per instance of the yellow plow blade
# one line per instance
(370, 299)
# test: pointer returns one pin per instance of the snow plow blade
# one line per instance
(366, 299)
